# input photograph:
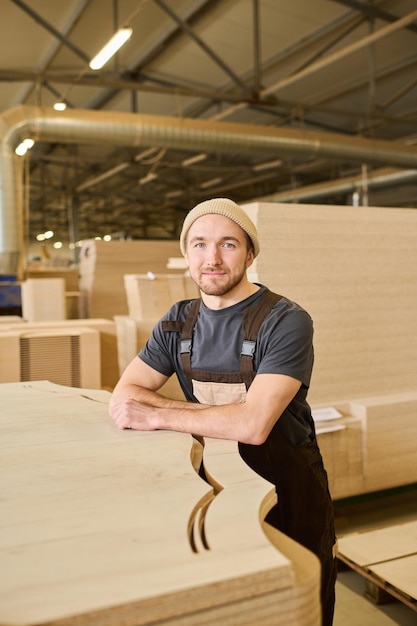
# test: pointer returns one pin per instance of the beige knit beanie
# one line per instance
(221, 206)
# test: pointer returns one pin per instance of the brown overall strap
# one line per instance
(253, 317)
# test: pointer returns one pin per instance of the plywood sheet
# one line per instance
(95, 524)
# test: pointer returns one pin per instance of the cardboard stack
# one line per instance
(103, 265)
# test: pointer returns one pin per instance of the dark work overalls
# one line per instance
(304, 510)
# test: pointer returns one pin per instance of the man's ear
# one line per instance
(250, 258)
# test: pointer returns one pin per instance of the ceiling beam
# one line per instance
(190, 32)
(371, 11)
(40, 20)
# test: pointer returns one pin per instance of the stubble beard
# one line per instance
(220, 286)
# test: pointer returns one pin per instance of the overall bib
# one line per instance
(304, 510)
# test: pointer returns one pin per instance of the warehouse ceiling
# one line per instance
(343, 69)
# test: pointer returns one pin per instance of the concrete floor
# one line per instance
(352, 607)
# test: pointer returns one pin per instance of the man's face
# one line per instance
(217, 254)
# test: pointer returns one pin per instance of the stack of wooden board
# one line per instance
(103, 265)
(149, 296)
(354, 270)
(391, 439)
(387, 557)
(43, 299)
(70, 276)
(371, 446)
(108, 360)
(99, 525)
(343, 447)
(67, 356)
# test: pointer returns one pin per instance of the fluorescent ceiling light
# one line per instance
(194, 159)
(98, 179)
(144, 154)
(111, 47)
(174, 194)
(148, 178)
(210, 183)
(267, 165)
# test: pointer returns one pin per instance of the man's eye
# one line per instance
(227, 244)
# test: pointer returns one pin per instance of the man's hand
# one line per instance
(134, 414)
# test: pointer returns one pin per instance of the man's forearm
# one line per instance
(151, 398)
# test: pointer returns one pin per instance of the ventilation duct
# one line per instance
(134, 130)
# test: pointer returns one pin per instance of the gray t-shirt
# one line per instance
(284, 346)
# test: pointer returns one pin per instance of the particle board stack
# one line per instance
(391, 439)
(354, 270)
(372, 445)
(387, 557)
(150, 296)
(102, 268)
(343, 446)
(84, 536)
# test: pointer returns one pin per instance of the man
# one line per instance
(243, 357)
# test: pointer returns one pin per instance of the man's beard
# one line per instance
(225, 284)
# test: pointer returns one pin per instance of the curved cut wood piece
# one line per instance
(94, 521)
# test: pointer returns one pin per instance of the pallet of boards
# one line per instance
(387, 558)
(102, 266)
(99, 525)
(149, 296)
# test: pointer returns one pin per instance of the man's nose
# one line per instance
(213, 255)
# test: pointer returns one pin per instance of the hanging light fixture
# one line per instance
(60, 105)
(24, 146)
(111, 47)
